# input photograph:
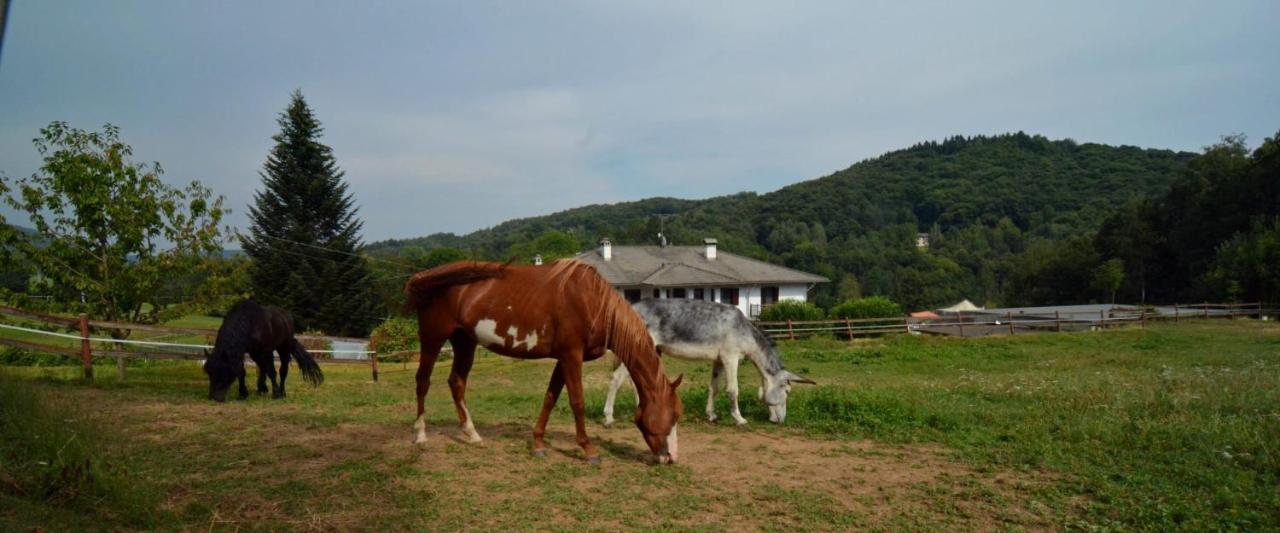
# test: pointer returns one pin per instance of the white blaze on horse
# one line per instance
(699, 330)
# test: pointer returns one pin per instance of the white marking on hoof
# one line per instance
(740, 421)
(469, 429)
(421, 426)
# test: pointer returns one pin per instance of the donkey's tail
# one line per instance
(426, 285)
(310, 369)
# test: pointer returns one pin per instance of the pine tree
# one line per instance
(304, 235)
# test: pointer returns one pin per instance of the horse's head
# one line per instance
(657, 421)
(221, 375)
(775, 391)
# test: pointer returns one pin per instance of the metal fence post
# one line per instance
(1008, 317)
(1057, 321)
(960, 321)
(1206, 309)
(1142, 317)
(373, 357)
(86, 352)
(1175, 313)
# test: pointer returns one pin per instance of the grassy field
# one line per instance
(1174, 426)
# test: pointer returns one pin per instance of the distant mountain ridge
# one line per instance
(861, 221)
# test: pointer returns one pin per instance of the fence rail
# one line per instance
(969, 324)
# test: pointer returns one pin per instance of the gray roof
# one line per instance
(686, 266)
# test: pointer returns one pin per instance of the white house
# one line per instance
(698, 272)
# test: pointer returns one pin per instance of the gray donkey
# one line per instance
(707, 331)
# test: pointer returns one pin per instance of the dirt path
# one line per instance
(265, 463)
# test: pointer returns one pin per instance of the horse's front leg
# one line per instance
(244, 391)
(548, 403)
(572, 369)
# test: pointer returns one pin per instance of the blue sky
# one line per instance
(459, 115)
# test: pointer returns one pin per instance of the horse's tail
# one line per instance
(310, 369)
(426, 285)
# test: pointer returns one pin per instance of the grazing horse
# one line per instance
(563, 311)
(707, 331)
(256, 330)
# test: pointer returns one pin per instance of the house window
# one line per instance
(679, 293)
(768, 295)
(656, 294)
(632, 295)
(729, 295)
(699, 294)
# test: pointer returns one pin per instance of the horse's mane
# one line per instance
(426, 285)
(233, 334)
(236, 327)
(625, 332)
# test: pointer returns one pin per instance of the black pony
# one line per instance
(256, 330)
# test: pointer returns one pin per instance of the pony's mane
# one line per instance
(625, 332)
(233, 334)
(768, 349)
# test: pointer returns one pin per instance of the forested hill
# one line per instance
(983, 200)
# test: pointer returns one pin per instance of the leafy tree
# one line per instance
(110, 235)
(304, 239)
(872, 307)
(1108, 276)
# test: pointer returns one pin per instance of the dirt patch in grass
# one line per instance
(258, 463)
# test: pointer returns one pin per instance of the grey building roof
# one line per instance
(687, 266)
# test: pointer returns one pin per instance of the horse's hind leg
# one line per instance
(267, 365)
(464, 351)
(286, 354)
(619, 377)
(548, 403)
(262, 375)
(427, 363)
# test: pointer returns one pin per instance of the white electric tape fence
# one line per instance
(152, 343)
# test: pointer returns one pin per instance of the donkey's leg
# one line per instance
(717, 374)
(285, 355)
(548, 402)
(464, 351)
(572, 370)
(427, 363)
(731, 385)
(619, 377)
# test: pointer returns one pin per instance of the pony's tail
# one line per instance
(310, 369)
(425, 285)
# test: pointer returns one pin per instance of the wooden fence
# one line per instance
(983, 323)
(85, 347)
(978, 323)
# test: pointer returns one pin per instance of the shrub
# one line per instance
(872, 307)
(397, 334)
(791, 310)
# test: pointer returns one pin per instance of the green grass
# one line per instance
(1169, 427)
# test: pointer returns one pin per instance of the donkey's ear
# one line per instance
(676, 383)
(798, 379)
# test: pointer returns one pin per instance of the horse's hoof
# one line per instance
(541, 454)
(471, 438)
(594, 460)
(713, 419)
(608, 423)
(277, 396)
(742, 423)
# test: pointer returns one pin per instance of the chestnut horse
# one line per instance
(563, 311)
